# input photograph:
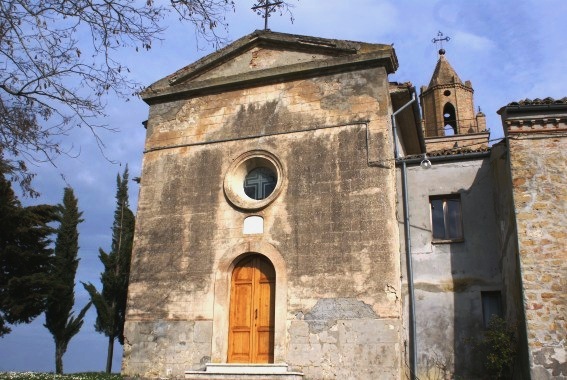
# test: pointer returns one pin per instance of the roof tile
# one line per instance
(538, 102)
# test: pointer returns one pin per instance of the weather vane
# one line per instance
(268, 8)
(439, 41)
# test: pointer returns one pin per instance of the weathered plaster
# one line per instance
(449, 278)
(329, 232)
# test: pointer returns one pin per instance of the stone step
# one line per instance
(224, 371)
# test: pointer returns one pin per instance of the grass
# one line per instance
(52, 376)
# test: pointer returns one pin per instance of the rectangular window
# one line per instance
(491, 305)
(446, 218)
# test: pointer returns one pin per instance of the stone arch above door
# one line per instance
(219, 349)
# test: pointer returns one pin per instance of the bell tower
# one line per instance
(449, 119)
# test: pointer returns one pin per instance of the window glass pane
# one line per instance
(437, 220)
(259, 183)
(491, 305)
(453, 212)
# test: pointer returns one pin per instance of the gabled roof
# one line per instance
(232, 66)
(444, 73)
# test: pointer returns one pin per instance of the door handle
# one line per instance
(256, 314)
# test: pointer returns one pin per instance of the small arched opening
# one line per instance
(449, 120)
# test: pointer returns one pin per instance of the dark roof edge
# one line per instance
(534, 105)
(417, 115)
(410, 88)
(446, 85)
(416, 160)
(462, 136)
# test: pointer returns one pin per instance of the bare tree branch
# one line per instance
(57, 65)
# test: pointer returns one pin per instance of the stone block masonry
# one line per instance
(540, 195)
(328, 230)
(538, 152)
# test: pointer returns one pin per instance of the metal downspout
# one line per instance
(413, 98)
(412, 326)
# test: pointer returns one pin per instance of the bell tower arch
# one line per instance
(449, 119)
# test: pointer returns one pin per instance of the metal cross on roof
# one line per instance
(439, 41)
(268, 8)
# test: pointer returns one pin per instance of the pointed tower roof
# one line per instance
(443, 73)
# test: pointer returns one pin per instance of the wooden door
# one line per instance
(252, 308)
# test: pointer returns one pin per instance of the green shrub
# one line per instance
(498, 348)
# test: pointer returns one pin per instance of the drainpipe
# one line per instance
(412, 326)
(394, 128)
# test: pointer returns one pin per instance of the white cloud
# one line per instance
(474, 43)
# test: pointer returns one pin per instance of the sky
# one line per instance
(509, 49)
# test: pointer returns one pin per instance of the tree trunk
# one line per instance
(59, 351)
(110, 353)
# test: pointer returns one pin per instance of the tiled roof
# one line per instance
(451, 152)
(454, 151)
(538, 102)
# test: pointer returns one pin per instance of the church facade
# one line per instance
(282, 191)
(266, 221)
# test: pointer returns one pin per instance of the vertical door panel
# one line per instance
(252, 309)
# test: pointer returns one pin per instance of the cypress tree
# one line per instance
(59, 316)
(110, 303)
(25, 258)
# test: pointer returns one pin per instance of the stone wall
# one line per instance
(539, 183)
(510, 261)
(331, 228)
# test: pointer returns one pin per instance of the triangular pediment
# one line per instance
(258, 58)
(263, 55)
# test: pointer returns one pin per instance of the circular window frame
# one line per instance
(234, 179)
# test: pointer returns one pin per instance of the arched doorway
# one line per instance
(252, 310)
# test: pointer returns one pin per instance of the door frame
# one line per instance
(221, 307)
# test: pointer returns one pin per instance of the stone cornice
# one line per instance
(273, 75)
(449, 85)
(535, 116)
(536, 125)
(340, 56)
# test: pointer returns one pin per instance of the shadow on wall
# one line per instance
(512, 296)
(475, 271)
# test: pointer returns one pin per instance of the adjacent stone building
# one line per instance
(487, 233)
(298, 218)
(536, 135)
